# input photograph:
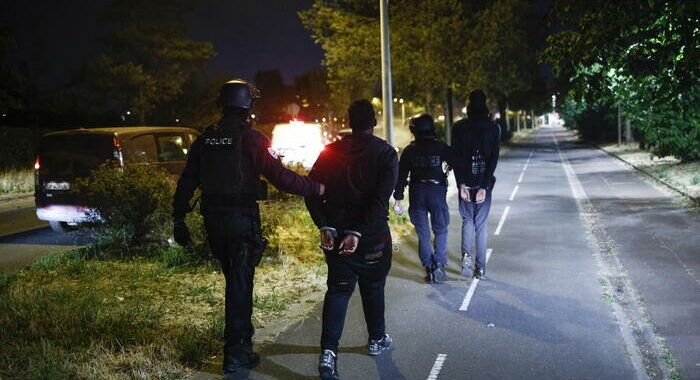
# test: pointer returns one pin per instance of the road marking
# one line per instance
(503, 220)
(525, 167)
(628, 337)
(472, 286)
(515, 190)
(520, 179)
(437, 366)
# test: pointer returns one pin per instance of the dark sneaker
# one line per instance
(376, 346)
(480, 274)
(429, 277)
(440, 275)
(466, 264)
(236, 359)
(328, 365)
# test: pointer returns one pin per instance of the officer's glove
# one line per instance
(180, 232)
(398, 208)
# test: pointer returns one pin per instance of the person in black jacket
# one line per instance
(360, 173)
(424, 159)
(476, 145)
(226, 162)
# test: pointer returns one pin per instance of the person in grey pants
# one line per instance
(476, 146)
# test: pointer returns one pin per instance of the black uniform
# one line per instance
(226, 162)
(359, 172)
(423, 159)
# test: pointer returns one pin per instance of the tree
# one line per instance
(500, 57)
(275, 96)
(641, 55)
(11, 88)
(428, 41)
(348, 34)
(435, 44)
(148, 59)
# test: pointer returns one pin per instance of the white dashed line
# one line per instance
(472, 286)
(437, 366)
(503, 220)
(515, 190)
(525, 167)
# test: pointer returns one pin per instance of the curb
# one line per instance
(13, 197)
(694, 200)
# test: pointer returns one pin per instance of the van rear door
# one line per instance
(65, 157)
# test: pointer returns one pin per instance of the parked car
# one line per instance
(66, 155)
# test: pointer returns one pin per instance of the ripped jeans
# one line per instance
(369, 269)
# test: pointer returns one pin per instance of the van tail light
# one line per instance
(37, 164)
(117, 155)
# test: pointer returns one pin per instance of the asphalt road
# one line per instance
(550, 307)
(24, 238)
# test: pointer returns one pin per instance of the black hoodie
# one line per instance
(359, 172)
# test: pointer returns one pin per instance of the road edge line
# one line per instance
(634, 323)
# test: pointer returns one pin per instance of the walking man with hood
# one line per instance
(360, 173)
(476, 145)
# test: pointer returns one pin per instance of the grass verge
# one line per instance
(16, 181)
(684, 176)
(156, 314)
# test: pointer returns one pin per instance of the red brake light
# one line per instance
(36, 163)
(118, 157)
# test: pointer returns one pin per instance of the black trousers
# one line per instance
(230, 237)
(368, 267)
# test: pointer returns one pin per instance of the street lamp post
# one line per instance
(403, 110)
(386, 72)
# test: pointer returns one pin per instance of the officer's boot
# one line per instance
(240, 355)
(430, 277)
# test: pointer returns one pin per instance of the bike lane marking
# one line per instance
(437, 367)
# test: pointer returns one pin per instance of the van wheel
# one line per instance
(57, 226)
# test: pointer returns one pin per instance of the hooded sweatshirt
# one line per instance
(359, 172)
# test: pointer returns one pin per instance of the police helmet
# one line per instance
(422, 125)
(237, 93)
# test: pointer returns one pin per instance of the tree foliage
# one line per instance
(641, 55)
(434, 44)
(148, 59)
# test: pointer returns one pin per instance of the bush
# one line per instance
(127, 204)
(671, 127)
(16, 181)
(593, 122)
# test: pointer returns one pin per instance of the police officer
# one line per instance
(360, 173)
(424, 159)
(226, 162)
(476, 144)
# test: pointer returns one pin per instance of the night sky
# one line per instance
(55, 37)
